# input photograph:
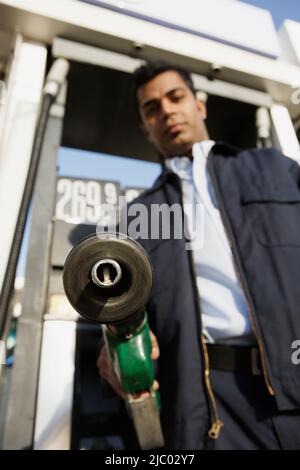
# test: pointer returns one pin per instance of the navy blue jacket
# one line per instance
(259, 199)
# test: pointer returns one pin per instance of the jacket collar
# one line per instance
(168, 175)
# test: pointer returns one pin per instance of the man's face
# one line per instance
(172, 117)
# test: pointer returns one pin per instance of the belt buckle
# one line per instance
(255, 362)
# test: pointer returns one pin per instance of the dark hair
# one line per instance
(151, 69)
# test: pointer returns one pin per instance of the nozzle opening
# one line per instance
(106, 273)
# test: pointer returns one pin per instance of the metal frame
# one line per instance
(55, 388)
(283, 132)
(20, 416)
(21, 111)
(94, 55)
(115, 31)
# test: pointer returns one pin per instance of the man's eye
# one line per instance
(177, 97)
(150, 110)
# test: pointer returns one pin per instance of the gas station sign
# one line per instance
(82, 201)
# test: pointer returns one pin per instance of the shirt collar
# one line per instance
(183, 166)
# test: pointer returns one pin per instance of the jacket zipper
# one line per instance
(241, 276)
(217, 424)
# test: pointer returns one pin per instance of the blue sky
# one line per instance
(128, 171)
(280, 9)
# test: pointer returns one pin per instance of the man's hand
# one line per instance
(107, 372)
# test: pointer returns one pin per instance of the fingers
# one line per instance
(155, 347)
(155, 385)
(146, 393)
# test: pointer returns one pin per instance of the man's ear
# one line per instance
(202, 109)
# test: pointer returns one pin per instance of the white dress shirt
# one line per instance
(225, 314)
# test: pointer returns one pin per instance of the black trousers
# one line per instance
(250, 416)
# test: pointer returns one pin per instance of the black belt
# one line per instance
(242, 359)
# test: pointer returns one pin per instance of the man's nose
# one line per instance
(167, 107)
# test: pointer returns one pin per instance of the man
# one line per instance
(225, 316)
